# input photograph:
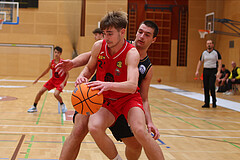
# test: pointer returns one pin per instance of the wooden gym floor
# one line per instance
(188, 132)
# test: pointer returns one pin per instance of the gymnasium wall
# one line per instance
(196, 45)
(57, 22)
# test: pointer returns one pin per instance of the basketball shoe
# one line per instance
(32, 109)
(64, 108)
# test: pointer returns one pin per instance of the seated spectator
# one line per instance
(220, 82)
(234, 78)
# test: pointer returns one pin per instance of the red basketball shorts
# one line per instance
(51, 83)
(123, 105)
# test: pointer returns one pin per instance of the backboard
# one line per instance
(209, 22)
(9, 12)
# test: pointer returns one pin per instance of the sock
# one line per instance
(62, 103)
(35, 105)
(117, 157)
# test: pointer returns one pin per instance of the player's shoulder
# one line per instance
(133, 53)
(133, 50)
(98, 43)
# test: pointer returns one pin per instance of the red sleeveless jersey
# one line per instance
(112, 68)
(55, 75)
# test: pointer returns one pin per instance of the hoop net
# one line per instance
(1, 23)
(203, 33)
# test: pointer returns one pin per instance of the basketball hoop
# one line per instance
(203, 32)
(1, 23)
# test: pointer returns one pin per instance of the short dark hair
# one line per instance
(97, 30)
(152, 25)
(116, 19)
(59, 49)
(223, 65)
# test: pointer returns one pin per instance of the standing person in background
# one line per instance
(212, 65)
(98, 34)
(234, 78)
(57, 81)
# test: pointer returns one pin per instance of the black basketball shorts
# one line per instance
(120, 128)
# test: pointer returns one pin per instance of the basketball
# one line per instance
(86, 101)
(159, 80)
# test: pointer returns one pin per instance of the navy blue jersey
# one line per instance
(143, 68)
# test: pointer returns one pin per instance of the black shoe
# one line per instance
(214, 105)
(205, 106)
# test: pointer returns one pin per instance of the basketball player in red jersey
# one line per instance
(146, 35)
(116, 62)
(57, 81)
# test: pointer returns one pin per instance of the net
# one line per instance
(203, 33)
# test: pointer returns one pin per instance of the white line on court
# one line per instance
(28, 126)
(207, 119)
(162, 135)
(182, 104)
(192, 130)
(64, 117)
(220, 102)
(13, 80)
(4, 86)
(199, 130)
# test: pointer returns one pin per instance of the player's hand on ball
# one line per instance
(81, 80)
(99, 85)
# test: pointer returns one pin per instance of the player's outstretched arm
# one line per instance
(90, 68)
(67, 65)
(44, 73)
(144, 88)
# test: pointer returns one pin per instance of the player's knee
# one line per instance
(94, 128)
(56, 94)
(79, 132)
(136, 147)
(40, 93)
(138, 131)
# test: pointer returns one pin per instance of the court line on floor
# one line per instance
(192, 130)
(31, 81)
(206, 121)
(32, 138)
(198, 96)
(225, 121)
(15, 153)
(232, 144)
(175, 116)
(181, 104)
(39, 116)
(28, 126)
(163, 134)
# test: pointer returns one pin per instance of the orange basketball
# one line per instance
(86, 101)
(159, 80)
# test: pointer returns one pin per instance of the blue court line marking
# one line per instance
(4, 158)
(8, 140)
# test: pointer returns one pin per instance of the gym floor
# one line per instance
(188, 132)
